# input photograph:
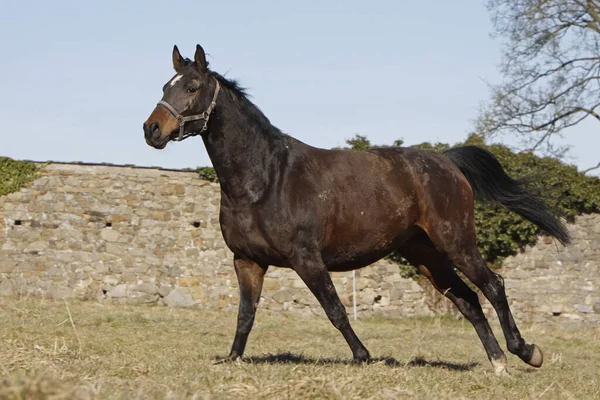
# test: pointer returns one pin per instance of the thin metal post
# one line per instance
(354, 292)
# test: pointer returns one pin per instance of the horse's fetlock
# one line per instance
(516, 347)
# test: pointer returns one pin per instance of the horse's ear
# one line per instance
(200, 59)
(178, 61)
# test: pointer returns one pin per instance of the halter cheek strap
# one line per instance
(189, 118)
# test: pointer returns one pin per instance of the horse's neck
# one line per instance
(245, 152)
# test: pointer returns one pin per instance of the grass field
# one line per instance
(88, 350)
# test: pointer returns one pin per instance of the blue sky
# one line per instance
(78, 78)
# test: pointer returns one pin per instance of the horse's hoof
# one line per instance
(500, 367)
(228, 359)
(361, 358)
(537, 357)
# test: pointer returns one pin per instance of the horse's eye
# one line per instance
(191, 89)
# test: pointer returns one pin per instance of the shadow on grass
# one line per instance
(290, 358)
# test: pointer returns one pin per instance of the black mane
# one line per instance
(242, 95)
(231, 84)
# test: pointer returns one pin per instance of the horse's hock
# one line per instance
(144, 235)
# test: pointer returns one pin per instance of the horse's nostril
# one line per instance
(154, 128)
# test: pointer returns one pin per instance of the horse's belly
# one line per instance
(360, 253)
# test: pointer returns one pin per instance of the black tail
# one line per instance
(490, 182)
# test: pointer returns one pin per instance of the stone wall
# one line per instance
(551, 281)
(142, 235)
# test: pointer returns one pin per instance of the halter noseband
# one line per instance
(182, 120)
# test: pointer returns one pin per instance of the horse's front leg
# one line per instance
(250, 277)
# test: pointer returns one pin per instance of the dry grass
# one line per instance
(90, 350)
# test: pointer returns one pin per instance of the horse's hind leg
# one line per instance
(448, 220)
(470, 262)
(315, 275)
(439, 270)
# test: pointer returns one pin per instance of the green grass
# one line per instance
(129, 352)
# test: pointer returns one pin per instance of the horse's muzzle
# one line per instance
(152, 134)
(152, 131)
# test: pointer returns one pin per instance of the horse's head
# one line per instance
(188, 100)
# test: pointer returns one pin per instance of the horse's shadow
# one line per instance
(291, 358)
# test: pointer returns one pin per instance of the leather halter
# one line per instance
(189, 118)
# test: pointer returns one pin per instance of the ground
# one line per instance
(86, 350)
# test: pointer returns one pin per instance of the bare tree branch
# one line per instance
(551, 69)
(585, 171)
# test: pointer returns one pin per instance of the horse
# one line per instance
(287, 204)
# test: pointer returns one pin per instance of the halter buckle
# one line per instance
(181, 130)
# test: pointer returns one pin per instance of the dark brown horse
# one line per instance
(287, 204)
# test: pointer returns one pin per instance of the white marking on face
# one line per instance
(174, 80)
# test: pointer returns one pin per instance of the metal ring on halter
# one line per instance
(182, 120)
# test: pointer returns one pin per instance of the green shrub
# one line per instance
(15, 174)
(208, 174)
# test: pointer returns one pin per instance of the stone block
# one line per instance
(7, 265)
(115, 248)
(367, 296)
(6, 288)
(57, 292)
(111, 280)
(582, 308)
(129, 277)
(161, 215)
(188, 281)
(197, 293)
(347, 300)
(192, 252)
(39, 245)
(179, 189)
(362, 283)
(396, 293)
(271, 284)
(415, 287)
(174, 272)
(140, 298)
(382, 301)
(297, 283)
(164, 290)
(33, 266)
(118, 291)
(178, 297)
(148, 287)
(282, 296)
